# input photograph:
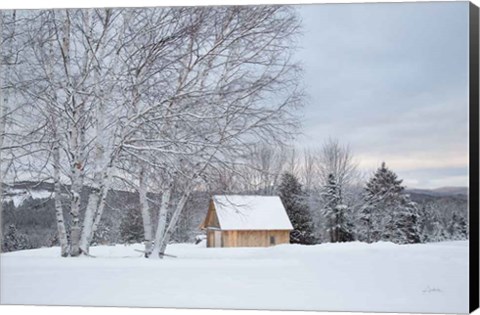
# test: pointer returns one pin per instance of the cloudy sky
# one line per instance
(390, 80)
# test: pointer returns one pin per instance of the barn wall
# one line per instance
(210, 238)
(254, 238)
(249, 238)
(229, 238)
(281, 236)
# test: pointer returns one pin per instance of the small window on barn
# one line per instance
(272, 240)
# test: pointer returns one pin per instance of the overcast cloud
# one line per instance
(392, 81)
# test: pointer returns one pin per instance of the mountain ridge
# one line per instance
(441, 191)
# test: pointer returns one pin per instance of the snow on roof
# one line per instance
(236, 212)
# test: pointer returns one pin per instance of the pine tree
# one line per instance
(463, 224)
(293, 198)
(425, 224)
(102, 235)
(439, 233)
(406, 221)
(13, 240)
(335, 212)
(388, 213)
(457, 228)
(432, 227)
(131, 228)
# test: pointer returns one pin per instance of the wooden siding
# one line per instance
(250, 238)
(210, 238)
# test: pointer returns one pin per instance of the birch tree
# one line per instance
(231, 62)
(144, 64)
(180, 92)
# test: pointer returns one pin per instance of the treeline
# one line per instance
(339, 206)
(344, 203)
(383, 212)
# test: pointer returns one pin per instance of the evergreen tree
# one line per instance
(388, 213)
(458, 229)
(102, 234)
(131, 228)
(425, 224)
(439, 233)
(335, 212)
(463, 224)
(293, 198)
(431, 224)
(406, 222)
(13, 240)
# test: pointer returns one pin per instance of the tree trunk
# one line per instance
(147, 220)
(173, 222)
(77, 163)
(101, 206)
(99, 177)
(75, 190)
(89, 219)
(162, 222)
(61, 231)
(93, 214)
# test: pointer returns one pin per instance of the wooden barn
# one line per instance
(246, 221)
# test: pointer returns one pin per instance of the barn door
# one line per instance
(217, 238)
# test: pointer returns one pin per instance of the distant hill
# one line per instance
(441, 192)
(453, 190)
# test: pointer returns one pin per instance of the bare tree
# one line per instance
(180, 93)
(260, 170)
(309, 170)
(338, 160)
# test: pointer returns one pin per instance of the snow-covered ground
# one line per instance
(345, 277)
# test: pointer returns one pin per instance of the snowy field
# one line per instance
(342, 277)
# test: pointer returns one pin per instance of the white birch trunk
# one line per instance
(162, 245)
(88, 228)
(173, 223)
(76, 166)
(102, 178)
(75, 205)
(94, 212)
(162, 222)
(147, 220)
(88, 220)
(106, 182)
(61, 230)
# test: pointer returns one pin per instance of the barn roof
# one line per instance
(237, 212)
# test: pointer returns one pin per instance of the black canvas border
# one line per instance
(474, 160)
